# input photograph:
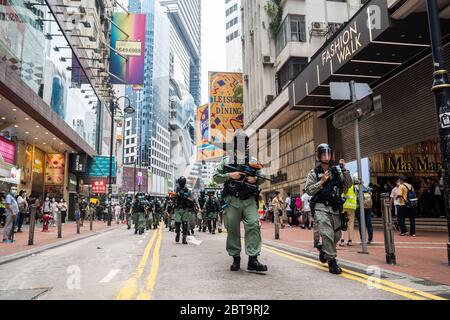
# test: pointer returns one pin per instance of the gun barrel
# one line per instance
(229, 168)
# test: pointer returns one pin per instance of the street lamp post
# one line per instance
(129, 110)
(441, 90)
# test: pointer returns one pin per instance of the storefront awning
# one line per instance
(370, 48)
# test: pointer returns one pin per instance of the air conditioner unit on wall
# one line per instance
(267, 60)
(319, 28)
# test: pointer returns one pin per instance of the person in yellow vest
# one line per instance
(349, 208)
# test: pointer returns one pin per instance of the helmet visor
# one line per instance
(326, 155)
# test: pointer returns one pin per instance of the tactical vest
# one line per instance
(138, 206)
(181, 199)
(211, 205)
(331, 192)
(201, 201)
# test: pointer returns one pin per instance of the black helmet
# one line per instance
(202, 193)
(181, 182)
(324, 148)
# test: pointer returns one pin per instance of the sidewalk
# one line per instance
(423, 256)
(42, 239)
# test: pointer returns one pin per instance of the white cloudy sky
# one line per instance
(213, 41)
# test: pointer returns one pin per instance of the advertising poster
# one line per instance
(54, 169)
(205, 151)
(131, 46)
(225, 105)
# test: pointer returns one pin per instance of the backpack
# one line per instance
(411, 198)
(292, 204)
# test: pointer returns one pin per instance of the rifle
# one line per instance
(250, 170)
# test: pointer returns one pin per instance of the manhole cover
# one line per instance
(22, 294)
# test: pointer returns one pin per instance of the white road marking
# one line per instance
(110, 276)
(193, 240)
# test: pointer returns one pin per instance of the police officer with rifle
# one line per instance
(325, 184)
(241, 192)
(183, 205)
(212, 208)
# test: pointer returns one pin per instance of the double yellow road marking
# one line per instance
(374, 282)
(130, 289)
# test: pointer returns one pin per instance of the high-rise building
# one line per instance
(275, 53)
(233, 19)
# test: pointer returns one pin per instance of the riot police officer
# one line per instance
(128, 213)
(202, 220)
(139, 214)
(156, 213)
(183, 206)
(212, 208)
(241, 192)
(325, 184)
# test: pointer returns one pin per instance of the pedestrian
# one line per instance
(307, 219)
(241, 205)
(395, 206)
(202, 220)
(349, 207)
(278, 204)
(11, 211)
(325, 184)
(47, 207)
(55, 211)
(83, 205)
(117, 210)
(2, 209)
(367, 205)
(23, 209)
(63, 208)
(289, 211)
(407, 203)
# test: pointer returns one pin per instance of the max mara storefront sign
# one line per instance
(364, 28)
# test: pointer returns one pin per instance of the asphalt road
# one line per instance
(121, 265)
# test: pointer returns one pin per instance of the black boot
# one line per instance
(214, 227)
(135, 231)
(333, 267)
(209, 226)
(321, 254)
(177, 237)
(220, 230)
(255, 266)
(236, 266)
(204, 228)
(185, 232)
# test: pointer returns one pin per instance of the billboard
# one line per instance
(127, 39)
(226, 110)
(99, 166)
(205, 151)
(99, 186)
(54, 169)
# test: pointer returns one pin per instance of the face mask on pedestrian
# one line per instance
(13, 192)
(47, 199)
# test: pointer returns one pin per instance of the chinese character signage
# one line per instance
(99, 166)
(54, 169)
(7, 150)
(99, 186)
(226, 109)
(78, 163)
(132, 47)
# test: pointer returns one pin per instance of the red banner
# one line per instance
(99, 186)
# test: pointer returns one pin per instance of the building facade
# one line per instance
(233, 18)
(53, 93)
(279, 38)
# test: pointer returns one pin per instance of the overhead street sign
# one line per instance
(367, 107)
(341, 91)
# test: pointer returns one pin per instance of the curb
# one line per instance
(27, 253)
(354, 266)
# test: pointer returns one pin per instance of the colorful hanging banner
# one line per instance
(127, 39)
(205, 151)
(225, 105)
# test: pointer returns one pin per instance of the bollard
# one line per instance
(388, 229)
(78, 226)
(276, 219)
(58, 214)
(90, 221)
(32, 223)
